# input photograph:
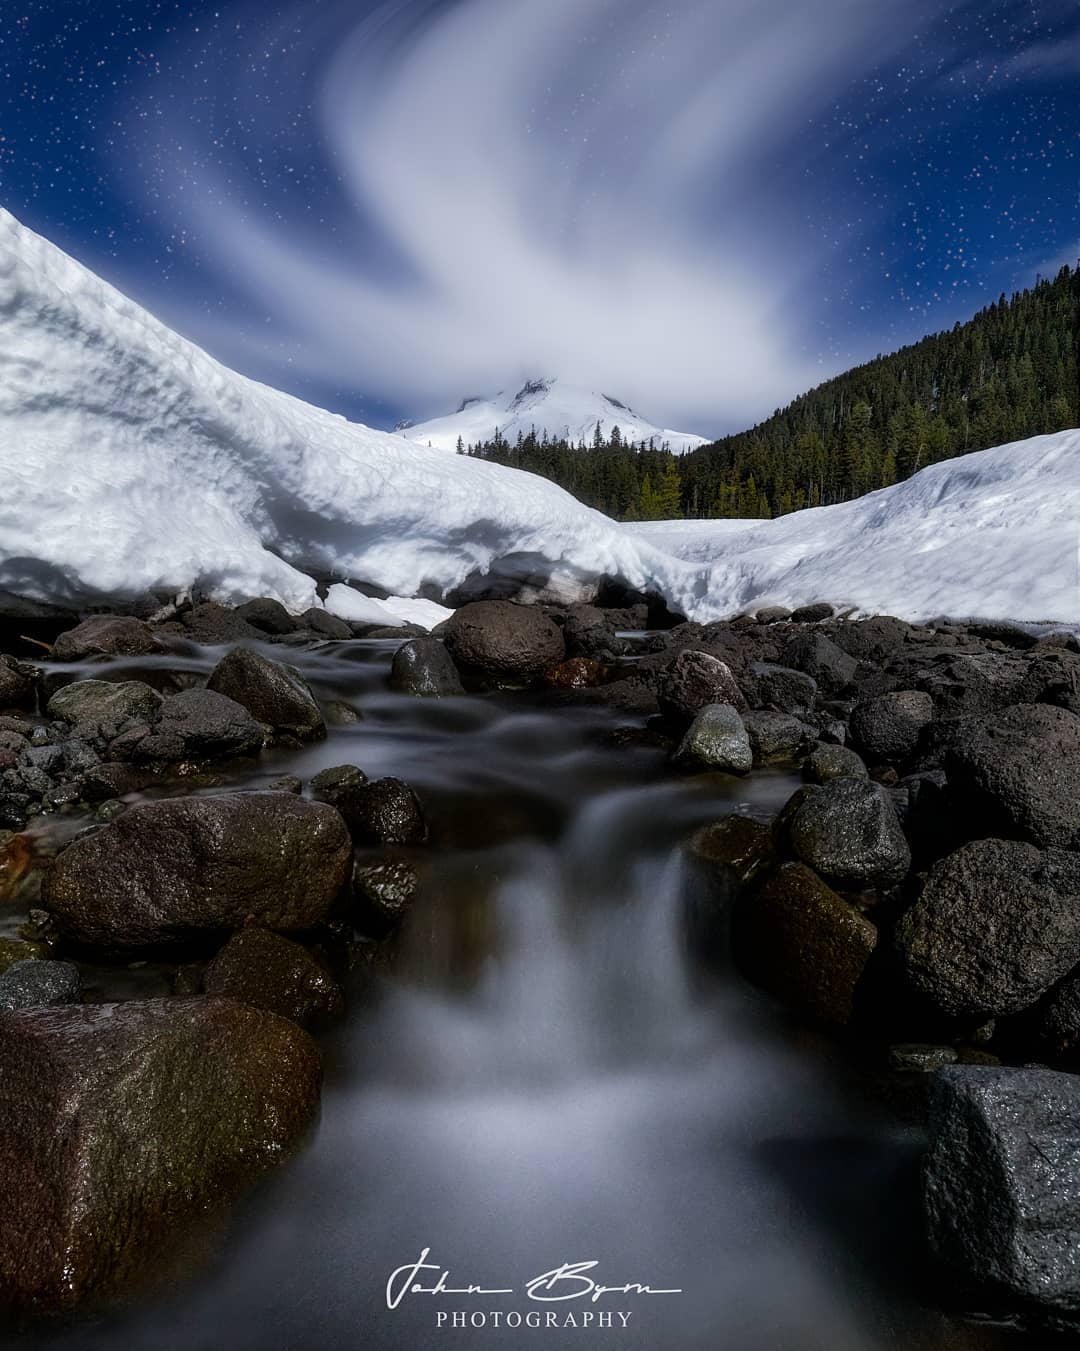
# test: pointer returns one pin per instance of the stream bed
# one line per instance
(537, 1071)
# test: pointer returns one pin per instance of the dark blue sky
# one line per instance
(701, 206)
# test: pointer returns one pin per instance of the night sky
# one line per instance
(701, 207)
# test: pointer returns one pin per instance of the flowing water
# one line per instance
(541, 1076)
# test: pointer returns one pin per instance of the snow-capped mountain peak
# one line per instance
(546, 404)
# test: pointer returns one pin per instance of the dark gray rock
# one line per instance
(1001, 1181)
(848, 832)
(716, 739)
(215, 624)
(499, 639)
(31, 984)
(922, 1058)
(272, 693)
(384, 890)
(102, 708)
(997, 924)
(208, 726)
(269, 972)
(818, 656)
(691, 681)
(387, 812)
(776, 737)
(342, 787)
(269, 616)
(889, 727)
(111, 635)
(833, 762)
(325, 624)
(167, 870)
(124, 1126)
(1055, 1021)
(812, 614)
(780, 687)
(424, 668)
(1018, 774)
(875, 640)
(773, 614)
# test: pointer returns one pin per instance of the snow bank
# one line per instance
(133, 462)
(992, 535)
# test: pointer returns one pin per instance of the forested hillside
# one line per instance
(1009, 373)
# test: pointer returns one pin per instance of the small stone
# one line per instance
(773, 614)
(325, 625)
(717, 740)
(384, 892)
(924, 1059)
(834, 762)
(270, 616)
(30, 984)
(424, 668)
(812, 614)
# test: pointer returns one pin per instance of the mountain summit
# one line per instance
(562, 410)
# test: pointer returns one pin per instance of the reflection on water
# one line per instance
(543, 1079)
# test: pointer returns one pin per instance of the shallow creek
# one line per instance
(540, 1073)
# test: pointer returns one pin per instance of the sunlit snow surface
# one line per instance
(133, 462)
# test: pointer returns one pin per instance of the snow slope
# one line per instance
(991, 535)
(133, 462)
(554, 406)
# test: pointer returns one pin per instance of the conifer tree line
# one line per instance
(1009, 373)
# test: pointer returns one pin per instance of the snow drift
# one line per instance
(134, 463)
(993, 535)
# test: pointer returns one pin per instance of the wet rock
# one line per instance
(207, 726)
(590, 632)
(98, 706)
(111, 635)
(122, 1124)
(999, 1181)
(773, 614)
(693, 680)
(889, 727)
(269, 972)
(776, 736)
(384, 890)
(31, 984)
(812, 614)
(1019, 774)
(17, 683)
(387, 812)
(848, 832)
(272, 693)
(342, 786)
(923, 1059)
(112, 779)
(717, 739)
(804, 944)
(974, 683)
(215, 625)
(578, 673)
(325, 624)
(818, 656)
(1054, 1023)
(997, 924)
(780, 687)
(269, 616)
(833, 762)
(423, 667)
(499, 639)
(167, 870)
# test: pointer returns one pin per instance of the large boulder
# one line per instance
(504, 641)
(1018, 774)
(263, 969)
(847, 831)
(272, 693)
(1000, 1182)
(694, 679)
(997, 924)
(122, 1125)
(889, 727)
(167, 870)
(106, 635)
(716, 739)
(424, 668)
(201, 725)
(16, 683)
(798, 939)
(101, 707)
